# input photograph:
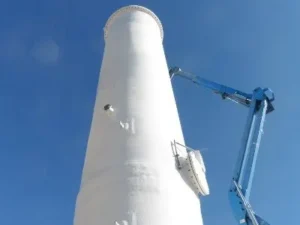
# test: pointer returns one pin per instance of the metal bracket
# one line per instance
(176, 154)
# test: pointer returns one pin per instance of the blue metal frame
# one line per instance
(259, 104)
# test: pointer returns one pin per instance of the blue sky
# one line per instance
(50, 56)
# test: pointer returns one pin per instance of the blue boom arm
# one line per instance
(259, 104)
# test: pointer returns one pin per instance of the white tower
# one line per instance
(130, 175)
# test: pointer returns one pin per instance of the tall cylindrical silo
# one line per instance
(130, 175)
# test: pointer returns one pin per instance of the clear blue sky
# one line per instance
(50, 55)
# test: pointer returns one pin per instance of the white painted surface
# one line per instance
(197, 172)
(129, 175)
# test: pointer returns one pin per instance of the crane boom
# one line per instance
(259, 104)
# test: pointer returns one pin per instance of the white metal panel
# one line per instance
(197, 172)
(129, 174)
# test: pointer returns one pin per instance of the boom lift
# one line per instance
(259, 104)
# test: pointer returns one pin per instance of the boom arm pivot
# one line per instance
(259, 104)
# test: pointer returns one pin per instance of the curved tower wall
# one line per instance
(129, 175)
